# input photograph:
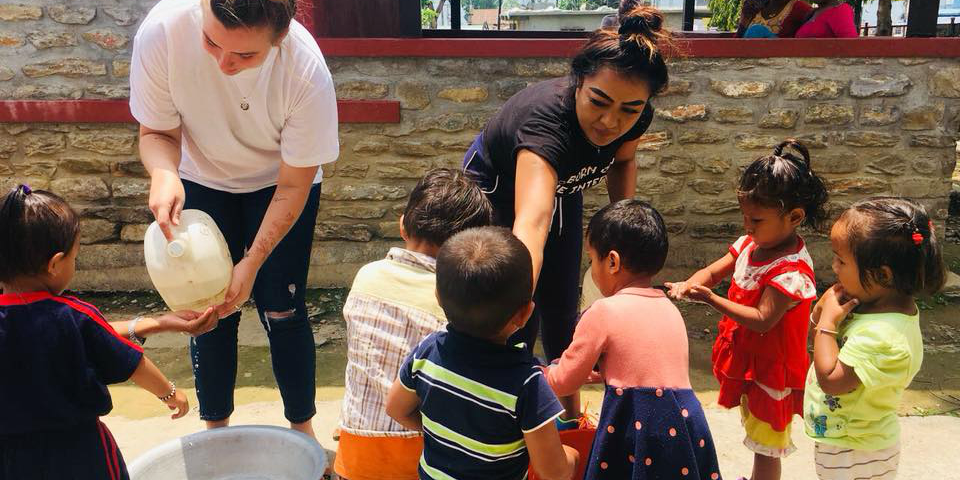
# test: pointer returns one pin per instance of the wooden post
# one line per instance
(689, 8)
(866, 29)
(858, 13)
(454, 14)
(922, 19)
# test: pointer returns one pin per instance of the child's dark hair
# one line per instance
(635, 230)
(484, 275)
(275, 14)
(34, 226)
(634, 50)
(444, 202)
(786, 181)
(896, 233)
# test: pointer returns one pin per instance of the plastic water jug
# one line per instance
(193, 271)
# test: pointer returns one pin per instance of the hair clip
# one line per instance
(25, 189)
(917, 238)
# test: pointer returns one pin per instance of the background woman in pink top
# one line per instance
(831, 19)
(651, 424)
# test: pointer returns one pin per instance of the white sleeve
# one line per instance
(795, 285)
(309, 136)
(150, 100)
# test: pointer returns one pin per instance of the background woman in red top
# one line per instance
(782, 17)
(831, 19)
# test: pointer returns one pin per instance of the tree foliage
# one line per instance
(724, 14)
(590, 4)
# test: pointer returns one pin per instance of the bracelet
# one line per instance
(132, 334)
(825, 330)
(173, 391)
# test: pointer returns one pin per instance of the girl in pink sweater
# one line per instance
(651, 424)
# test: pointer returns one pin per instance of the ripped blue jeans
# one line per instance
(279, 293)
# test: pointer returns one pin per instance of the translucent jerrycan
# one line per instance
(193, 271)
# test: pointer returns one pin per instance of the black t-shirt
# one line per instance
(57, 355)
(542, 118)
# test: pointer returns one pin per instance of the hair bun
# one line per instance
(641, 21)
(778, 151)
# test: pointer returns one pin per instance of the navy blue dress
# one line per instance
(57, 355)
(652, 433)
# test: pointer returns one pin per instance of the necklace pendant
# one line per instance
(244, 106)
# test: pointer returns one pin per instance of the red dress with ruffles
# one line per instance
(769, 368)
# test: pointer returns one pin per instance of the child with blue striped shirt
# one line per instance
(484, 407)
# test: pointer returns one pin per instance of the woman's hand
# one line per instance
(193, 323)
(833, 308)
(179, 403)
(678, 290)
(166, 200)
(244, 274)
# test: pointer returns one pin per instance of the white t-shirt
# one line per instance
(292, 115)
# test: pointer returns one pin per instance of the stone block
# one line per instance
(814, 140)
(134, 233)
(671, 209)
(836, 163)
(364, 191)
(132, 168)
(714, 164)
(352, 170)
(389, 230)
(339, 253)
(676, 165)
(67, 67)
(47, 39)
(123, 17)
(812, 89)
(415, 148)
(927, 117)
(413, 96)
(702, 137)
(919, 187)
(879, 115)
(85, 165)
(119, 214)
(645, 161)
(361, 89)
(715, 230)
(120, 255)
(675, 227)
(933, 140)
(654, 141)
(885, 164)
(6, 170)
(734, 115)
(105, 142)
(880, 86)
(46, 92)
(509, 88)
(120, 67)
(683, 113)
(715, 206)
(464, 94)
(677, 87)
(81, 189)
(816, 63)
(828, 114)
(10, 39)
(106, 38)
(37, 169)
(784, 118)
(109, 91)
(540, 68)
(95, 230)
(131, 189)
(747, 89)
(708, 187)
(869, 139)
(857, 186)
(71, 15)
(413, 169)
(355, 232)
(750, 141)
(43, 143)
(9, 183)
(6, 73)
(910, 62)
(356, 212)
(372, 146)
(658, 185)
(936, 166)
(17, 11)
(945, 82)
(8, 146)
(449, 122)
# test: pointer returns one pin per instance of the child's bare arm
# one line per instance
(834, 376)
(762, 318)
(708, 276)
(151, 379)
(404, 406)
(550, 459)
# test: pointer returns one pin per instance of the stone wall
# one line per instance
(874, 126)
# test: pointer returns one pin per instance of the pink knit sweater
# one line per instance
(637, 335)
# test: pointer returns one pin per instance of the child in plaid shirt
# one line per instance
(391, 307)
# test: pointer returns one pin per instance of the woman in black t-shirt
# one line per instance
(556, 138)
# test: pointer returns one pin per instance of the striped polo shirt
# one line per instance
(477, 399)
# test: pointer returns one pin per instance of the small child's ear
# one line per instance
(522, 315)
(613, 262)
(54, 263)
(797, 216)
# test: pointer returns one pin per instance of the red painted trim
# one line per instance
(117, 111)
(693, 47)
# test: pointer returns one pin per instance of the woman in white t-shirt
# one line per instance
(237, 112)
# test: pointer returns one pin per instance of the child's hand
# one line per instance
(678, 290)
(699, 293)
(179, 403)
(833, 307)
(594, 377)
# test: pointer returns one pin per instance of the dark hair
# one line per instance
(635, 230)
(275, 14)
(444, 202)
(34, 226)
(786, 181)
(896, 233)
(634, 50)
(484, 275)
